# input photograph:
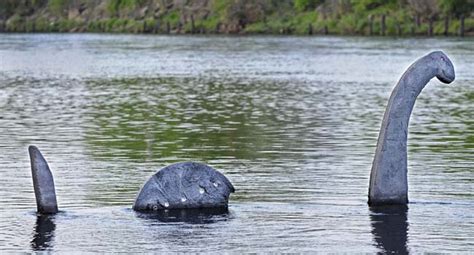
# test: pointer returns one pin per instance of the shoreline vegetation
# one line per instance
(298, 17)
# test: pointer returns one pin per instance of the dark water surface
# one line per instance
(291, 121)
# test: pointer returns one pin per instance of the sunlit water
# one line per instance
(291, 121)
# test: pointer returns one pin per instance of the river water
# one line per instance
(291, 121)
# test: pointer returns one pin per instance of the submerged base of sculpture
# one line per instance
(184, 185)
(193, 216)
(401, 200)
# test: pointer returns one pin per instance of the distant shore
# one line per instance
(298, 17)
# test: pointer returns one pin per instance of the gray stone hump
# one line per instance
(184, 185)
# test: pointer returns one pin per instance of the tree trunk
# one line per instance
(382, 25)
(430, 26)
(461, 28)
(446, 25)
(371, 24)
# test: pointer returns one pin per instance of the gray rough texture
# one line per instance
(388, 178)
(43, 182)
(184, 185)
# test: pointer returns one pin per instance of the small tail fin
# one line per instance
(43, 182)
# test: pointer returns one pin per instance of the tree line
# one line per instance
(344, 17)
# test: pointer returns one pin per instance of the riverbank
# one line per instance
(299, 17)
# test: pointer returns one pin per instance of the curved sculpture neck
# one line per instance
(388, 178)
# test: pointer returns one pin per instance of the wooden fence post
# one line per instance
(399, 29)
(430, 25)
(156, 27)
(446, 25)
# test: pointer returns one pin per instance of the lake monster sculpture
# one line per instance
(195, 185)
(388, 178)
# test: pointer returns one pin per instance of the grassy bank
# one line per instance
(341, 17)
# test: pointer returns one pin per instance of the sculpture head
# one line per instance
(444, 67)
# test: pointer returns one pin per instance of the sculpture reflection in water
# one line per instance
(192, 216)
(43, 236)
(390, 228)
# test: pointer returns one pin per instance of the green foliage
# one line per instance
(57, 6)
(348, 24)
(279, 25)
(150, 25)
(115, 25)
(364, 8)
(208, 25)
(29, 26)
(262, 16)
(303, 5)
(297, 24)
(134, 26)
(115, 6)
(456, 7)
(65, 25)
(219, 7)
(302, 22)
(391, 26)
(15, 24)
(42, 24)
(172, 18)
(369, 5)
(256, 28)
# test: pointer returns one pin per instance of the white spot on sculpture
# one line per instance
(388, 178)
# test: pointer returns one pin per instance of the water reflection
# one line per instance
(180, 119)
(192, 216)
(43, 236)
(390, 228)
